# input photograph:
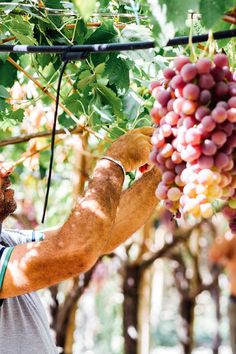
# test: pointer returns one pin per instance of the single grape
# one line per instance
(219, 137)
(231, 115)
(206, 210)
(222, 104)
(203, 66)
(188, 72)
(232, 102)
(169, 164)
(209, 148)
(179, 168)
(166, 150)
(168, 73)
(189, 107)
(191, 153)
(193, 136)
(166, 130)
(177, 82)
(221, 60)
(191, 92)
(174, 194)
(232, 89)
(180, 62)
(227, 127)
(170, 104)
(218, 73)
(153, 85)
(163, 97)
(176, 157)
(205, 96)
(161, 191)
(206, 81)
(219, 114)
(189, 122)
(221, 89)
(155, 115)
(177, 105)
(205, 176)
(205, 161)
(172, 118)
(201, 112)
(221, 160)
(190, 190)
(208, 123)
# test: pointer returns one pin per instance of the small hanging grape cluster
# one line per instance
(194, 143)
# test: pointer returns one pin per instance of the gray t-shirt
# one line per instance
(24, 327)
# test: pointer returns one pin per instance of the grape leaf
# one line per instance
(111, 98)
(85, 8)
(74, 104)
(105, 33)
(213, 10)
(23, 30)
(117, 71)
(3, 92)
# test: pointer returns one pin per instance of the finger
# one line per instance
(144, 130)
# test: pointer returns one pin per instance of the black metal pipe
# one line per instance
(110, 47)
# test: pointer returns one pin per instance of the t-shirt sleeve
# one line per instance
(5, 254)
(17, 237)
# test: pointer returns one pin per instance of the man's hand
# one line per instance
(133, 148)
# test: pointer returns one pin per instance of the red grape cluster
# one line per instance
(194, 143)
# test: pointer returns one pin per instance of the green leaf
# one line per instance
(54, 4)
(3, 92)
(177, 10)
(213, 10)
(105, 33)
(23, 30)
(8, 74)
(85, 7)
(112, 99)
(74, 104)
(86, 79)
(17, 115)
(66, 121)
(117, 71)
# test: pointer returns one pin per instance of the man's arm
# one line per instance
(81, 240)
(136, 205)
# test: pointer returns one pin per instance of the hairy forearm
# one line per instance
(136, 205)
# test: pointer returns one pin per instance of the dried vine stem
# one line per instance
(65, 109)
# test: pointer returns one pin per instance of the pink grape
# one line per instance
(209, 148)
(205, 96)
(168, 177)
(228, 127)
(231, 115)
(169, 164)
(221, 160)
(177, 82)
(206, 161)
(218, 73)
(188, 72)
(219, 114)
(168, 73)
(191, 92)
(176, 157)
(221, 88)
(172, 118)
(189, 122)
(189, 107)
(170, 104)
(163, 97)
(222, 104)
(221, 60)
(232, 89)
(219, 137)
(228, 74)
(179, 168)
(206, 81)
(180, 62)
(155, 115)
(193, 136)
(177, 105)
(191, 153)
(201, 112)
(166, 130)
(174, 194)
(161, 191)
(203, 66)
(232, 102)
(208, 123)
(154, 84)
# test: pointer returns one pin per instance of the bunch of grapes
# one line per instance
(194, 143)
